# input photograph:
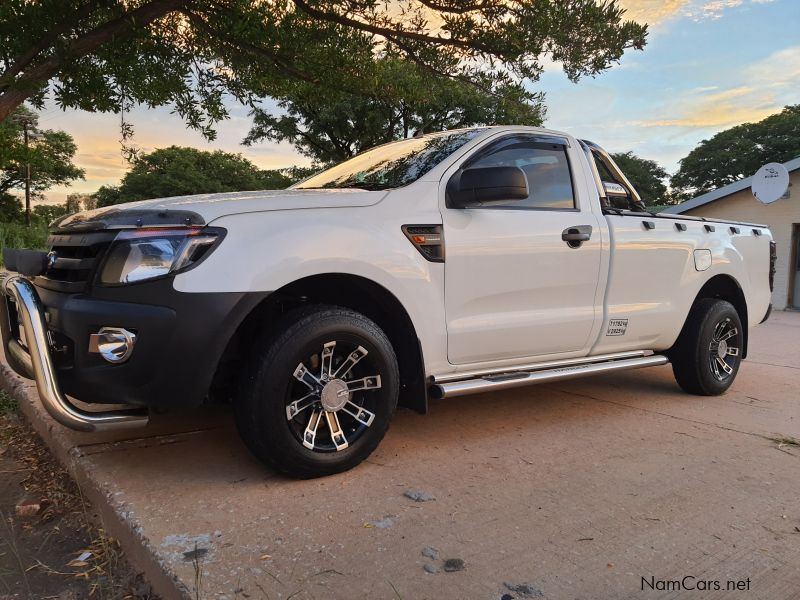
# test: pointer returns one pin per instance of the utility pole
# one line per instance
(27, 175)
(28, 123)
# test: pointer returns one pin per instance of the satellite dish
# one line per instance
(770, 183)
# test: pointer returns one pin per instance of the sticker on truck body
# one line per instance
(617, 327)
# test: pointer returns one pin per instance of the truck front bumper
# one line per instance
(31, 358)
(180, 338)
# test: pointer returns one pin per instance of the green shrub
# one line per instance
(8, 405)
(18, 235)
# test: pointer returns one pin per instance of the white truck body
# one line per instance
(510, 290)
(511, 293)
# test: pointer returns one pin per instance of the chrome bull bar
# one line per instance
(33, 360)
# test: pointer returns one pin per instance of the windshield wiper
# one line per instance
(347, 187)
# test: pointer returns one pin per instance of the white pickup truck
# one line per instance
(459, 262)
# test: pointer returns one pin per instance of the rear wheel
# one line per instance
(318, 396)
(706, 358)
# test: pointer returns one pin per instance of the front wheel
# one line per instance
(317, 398)
(706, 357)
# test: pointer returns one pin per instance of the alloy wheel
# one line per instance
(724, 349)
(332, 401)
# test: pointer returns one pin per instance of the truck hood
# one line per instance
(202, 209)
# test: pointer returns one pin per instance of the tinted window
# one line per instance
(546, 167)
(391, 165)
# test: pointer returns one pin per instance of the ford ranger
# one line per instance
(458, 262)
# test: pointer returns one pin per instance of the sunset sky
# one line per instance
(708, 65)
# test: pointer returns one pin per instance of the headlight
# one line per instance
(142, 254)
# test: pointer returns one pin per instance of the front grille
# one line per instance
(77, 257)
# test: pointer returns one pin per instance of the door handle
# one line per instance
(576, 235)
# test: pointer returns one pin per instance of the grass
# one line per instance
(19, 235)
(8, 405)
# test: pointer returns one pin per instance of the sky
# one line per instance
(708, 65)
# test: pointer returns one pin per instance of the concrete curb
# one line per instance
(111, 514)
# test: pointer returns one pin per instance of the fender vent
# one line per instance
(428, 239)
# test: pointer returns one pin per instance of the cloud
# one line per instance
(713, 10)
(656, 12)
(652, 12)
(764, 87)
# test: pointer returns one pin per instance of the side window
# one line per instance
(546, 167)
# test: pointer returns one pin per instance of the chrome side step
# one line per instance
(512, 379)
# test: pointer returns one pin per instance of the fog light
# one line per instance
(114, 344)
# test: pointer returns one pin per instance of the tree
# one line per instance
(78, 202)
(179, 171)
(10, 208)
(107, 195)
(48, 213)
(48, 152)
(106, 56)
(738, 152)
(647, 176)
(403, 101)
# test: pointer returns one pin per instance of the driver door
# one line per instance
(513, 287)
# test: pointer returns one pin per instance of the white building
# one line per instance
(735, 202)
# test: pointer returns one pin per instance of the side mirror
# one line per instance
(615, 190)
(482, 186)
(618, 197)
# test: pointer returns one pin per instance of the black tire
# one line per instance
(270, 383)
(702, 364)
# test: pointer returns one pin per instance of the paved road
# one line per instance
(577, 490)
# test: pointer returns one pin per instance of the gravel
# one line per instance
(384, 523)
(418, 496)
(529, 590)
(454, 564)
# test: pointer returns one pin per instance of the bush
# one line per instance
(18, 235)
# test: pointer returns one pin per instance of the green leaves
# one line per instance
(401, 99)
(49, 154)
(192, 54)
(179, 171)
(738, 152)
(647, 176)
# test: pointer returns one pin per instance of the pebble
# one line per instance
(418, 496)
(431, 568)
(27, 509)
(454, 564)
(528, 590)
(430, 552)
(384, 523)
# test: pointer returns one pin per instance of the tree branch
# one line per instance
(391, 33)
(21, 62)
(456, 10)
(259, 51)
(121, 27)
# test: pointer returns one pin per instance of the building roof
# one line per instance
(726, 190)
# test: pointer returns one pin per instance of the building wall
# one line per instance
(779, 216)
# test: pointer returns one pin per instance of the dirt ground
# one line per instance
(619, 486)
(49, 545)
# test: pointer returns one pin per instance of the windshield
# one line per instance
(391, 165)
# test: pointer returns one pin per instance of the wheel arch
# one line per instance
(725, 287)
(349, 291)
